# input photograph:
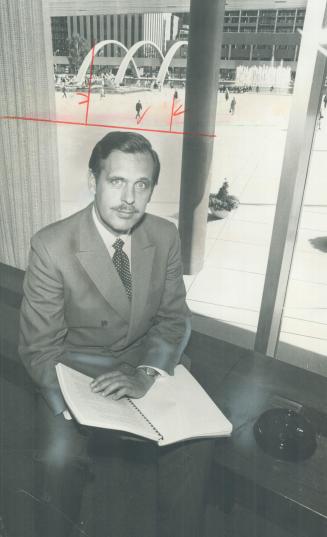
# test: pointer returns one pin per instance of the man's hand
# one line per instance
(117, 384)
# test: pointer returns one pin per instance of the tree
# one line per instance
(77, 50)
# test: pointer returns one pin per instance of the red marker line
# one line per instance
(177, 113)
(83, 95)
(89, 92)
(178, 108)
(121, 127)
(138, 121)
(172, 113)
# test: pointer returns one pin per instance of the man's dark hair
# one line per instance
(128, 142)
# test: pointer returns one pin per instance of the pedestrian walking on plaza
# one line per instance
(176, 95)
(138, 108)
(232, 106)
(226, 94)
(102, 92)
(64, 94)
(325, 100)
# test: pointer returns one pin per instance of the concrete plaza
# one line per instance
(225, 295)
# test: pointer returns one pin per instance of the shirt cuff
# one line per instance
(161, 372)
(67, 415)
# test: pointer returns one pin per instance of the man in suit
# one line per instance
(104, 293)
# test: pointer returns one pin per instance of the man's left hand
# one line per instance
(117, 384)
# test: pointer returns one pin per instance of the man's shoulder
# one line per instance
(156, 225)
(61, 229)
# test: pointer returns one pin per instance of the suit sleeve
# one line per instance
(42, 323)
(168, 337)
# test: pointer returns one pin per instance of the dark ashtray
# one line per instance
(285, 434)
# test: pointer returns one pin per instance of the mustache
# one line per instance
(126, 209)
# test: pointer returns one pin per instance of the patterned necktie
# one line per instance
(121, 263)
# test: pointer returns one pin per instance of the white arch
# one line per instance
(167, 60)
(129, 57)
(88, 58)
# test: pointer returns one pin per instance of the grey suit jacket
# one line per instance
(74, 302)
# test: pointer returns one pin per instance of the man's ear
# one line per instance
(92, 184)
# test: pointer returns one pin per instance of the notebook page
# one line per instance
(181, 409)
(97, 411)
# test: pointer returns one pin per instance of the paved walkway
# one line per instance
(226, 294)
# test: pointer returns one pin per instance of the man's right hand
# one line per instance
(117, 384)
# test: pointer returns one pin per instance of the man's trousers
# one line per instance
(138, 489)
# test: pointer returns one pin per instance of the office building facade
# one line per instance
(251, 36)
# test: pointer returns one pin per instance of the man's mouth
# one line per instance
(127, 212)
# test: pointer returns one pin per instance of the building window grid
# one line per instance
(59, 29)
(133, 23)
(118, 30)
(257, 22)
(105, 30)
(112, 36)
(286, 20)
(284, 30)
(98, 29)
(247, 29)
(230, 29)
(248, 20)
(141, 34)
(105, 35)
(275, 24)
(300, 16)
(249, 13)
(91, 31)
(266, 29)
(294, 22)
(243, 21)
(126, 29)
(84, 26)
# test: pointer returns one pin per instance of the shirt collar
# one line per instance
(107, 236)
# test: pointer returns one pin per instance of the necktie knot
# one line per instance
(118, 244)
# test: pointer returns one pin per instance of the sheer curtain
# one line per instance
(29, 180)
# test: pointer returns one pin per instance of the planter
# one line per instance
(219, 213)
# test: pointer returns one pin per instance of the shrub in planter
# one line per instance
(222, 203)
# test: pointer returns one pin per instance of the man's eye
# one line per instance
(141, 185)
(116, 182)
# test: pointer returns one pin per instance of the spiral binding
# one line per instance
(146, 419)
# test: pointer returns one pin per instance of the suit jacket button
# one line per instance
(104, 323)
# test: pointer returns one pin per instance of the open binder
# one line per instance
(175, 408)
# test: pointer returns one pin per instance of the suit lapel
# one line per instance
(142, 255)
(97, 263)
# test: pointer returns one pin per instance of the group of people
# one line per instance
(235, 89)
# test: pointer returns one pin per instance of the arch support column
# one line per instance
(203, 60)
(28, 149)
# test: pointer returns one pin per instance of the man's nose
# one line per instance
(128, 195)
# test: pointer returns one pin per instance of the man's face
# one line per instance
(123, 189)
